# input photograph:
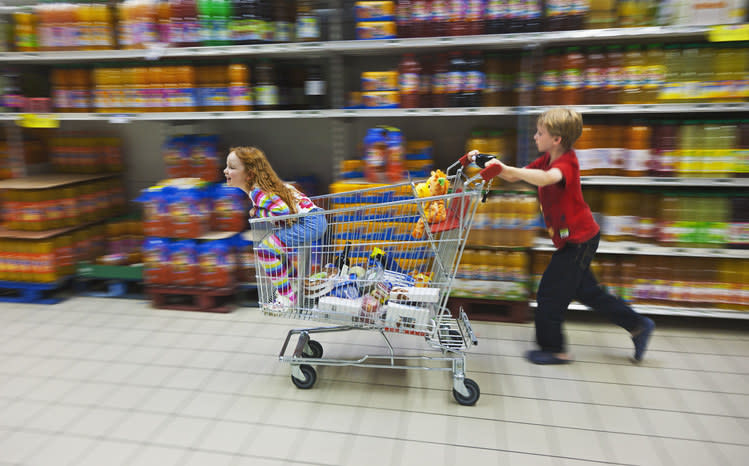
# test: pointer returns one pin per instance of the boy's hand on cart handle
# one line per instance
(493, 168)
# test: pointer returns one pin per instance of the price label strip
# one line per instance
(34, 120)
(729, 33)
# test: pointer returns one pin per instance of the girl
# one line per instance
(247, 168)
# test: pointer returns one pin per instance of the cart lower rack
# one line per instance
(360, 263)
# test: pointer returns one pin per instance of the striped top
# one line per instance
(271, 205)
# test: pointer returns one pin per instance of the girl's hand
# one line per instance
(253, 212)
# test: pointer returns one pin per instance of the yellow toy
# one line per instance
(434, 211)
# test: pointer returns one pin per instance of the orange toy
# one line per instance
(434, 211)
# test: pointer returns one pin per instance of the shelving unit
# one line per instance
(342, 127)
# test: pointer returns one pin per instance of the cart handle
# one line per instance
(486, 173)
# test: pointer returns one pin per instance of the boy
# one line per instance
(575, 235)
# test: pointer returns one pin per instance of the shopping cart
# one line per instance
(368, 273)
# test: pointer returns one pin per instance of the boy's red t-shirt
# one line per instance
(566, 214)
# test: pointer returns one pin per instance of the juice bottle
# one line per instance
(440, 79)
(474, 79)
(654, 73)
(82, 26)
(24, 31)
(142, 88)
(129, 88)
(456, 80)
(283, 21)
(639, 152)
(408, 81)
(437, 24)
(594, 76)
(690, 75)
(403, 18)
(80, 85)
(239, 90)
(60, 90)
(572, 69)
(634, 65)
(266, 90)
(102, 33)
(496, 17)
(474, 17)
(549, 86)
(154, 100)
(614, 73)
(492, 95)
(186, 87)
(425, 82)
(307, 22)
(664, 148)
(420, 17)
(456, 21)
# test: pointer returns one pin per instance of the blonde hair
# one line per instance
(261, 174)
(563, 122)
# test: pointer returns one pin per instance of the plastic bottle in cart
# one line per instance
(409, 72)
(395, 151)
(456, 80)
(375, 156)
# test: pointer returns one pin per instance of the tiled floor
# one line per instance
(112, 382)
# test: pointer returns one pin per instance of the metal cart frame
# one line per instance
(367, 251)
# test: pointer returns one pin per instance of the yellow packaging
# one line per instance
(352, 165)
(376, 30)
(374, 11)
(379, 81)
(381, 99)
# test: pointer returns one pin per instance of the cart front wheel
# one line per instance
(315, 350)
(310, 376)
(473, 393)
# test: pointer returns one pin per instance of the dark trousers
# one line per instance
(569, 277)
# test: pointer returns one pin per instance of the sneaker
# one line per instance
(545, 357)
(642, 338)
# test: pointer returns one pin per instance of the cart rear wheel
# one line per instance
(310, 376)
(315, 350)
(473, 393)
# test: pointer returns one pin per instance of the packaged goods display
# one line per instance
(665, 148)
(79, 152)
(195, 156)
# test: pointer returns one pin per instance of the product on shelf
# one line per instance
(30, 207)
(36, 260)
(493, 274)
(83, 153)
(383, 155)
(193, 156)
(307, 22)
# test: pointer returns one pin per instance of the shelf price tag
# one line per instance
(729, 33)
(35, 120)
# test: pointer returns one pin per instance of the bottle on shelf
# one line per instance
(409, 71)
(456, 80)
(266, 89)
(420, 17)
(239, 87)
(403, 18)
(549, 85)
(456, 20)
(492, 96)
(496, 17)
(654, 73)
(474, 79)
(594, 79)
(440, 77)
(307, 22)
(614, 73)
(437, 26)
(572, 68)
(633, 71)
(315, 88)
(283, 21)
(475, 11)
(425, 82)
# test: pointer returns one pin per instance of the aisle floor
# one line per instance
(97, 381)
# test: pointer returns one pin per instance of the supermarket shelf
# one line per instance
(655, 181)
(400, 112)
(363, 47)
(51, 180)
(672, 311)
(642, 249)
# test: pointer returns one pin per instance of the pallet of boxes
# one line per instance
(194, 257)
